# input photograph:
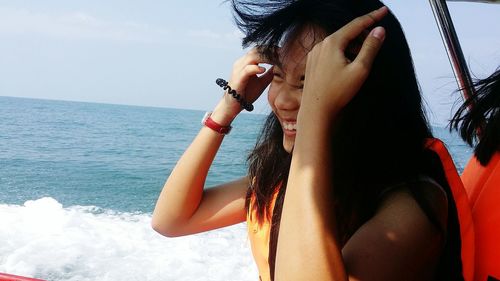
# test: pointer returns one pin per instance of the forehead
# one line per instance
(293, 53)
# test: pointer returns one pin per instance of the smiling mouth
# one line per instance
(289, 128)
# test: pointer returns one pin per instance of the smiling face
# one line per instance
(285, 92)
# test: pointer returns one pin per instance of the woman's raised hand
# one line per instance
(245, 81)
(331, 79)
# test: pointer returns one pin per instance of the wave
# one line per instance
(43, 239)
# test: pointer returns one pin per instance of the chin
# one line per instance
(288, 146)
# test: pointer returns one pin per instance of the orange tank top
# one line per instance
(259, 235)
(483, 187)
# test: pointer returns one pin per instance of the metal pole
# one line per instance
(477, 1)
(452, 45)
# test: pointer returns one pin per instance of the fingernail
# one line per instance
(382, 8)
(378, 32)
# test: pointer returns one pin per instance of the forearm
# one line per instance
(182, 195)
(183, 190)
(308, 248)
(307, 244)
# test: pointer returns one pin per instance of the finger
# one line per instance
(370, 48)
(254, 57)
(265, 79)
(248, 72)
(253, 69)
(354, 28)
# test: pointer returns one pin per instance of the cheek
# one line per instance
(271, 96)
(299, 98)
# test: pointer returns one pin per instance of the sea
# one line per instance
(79, 181)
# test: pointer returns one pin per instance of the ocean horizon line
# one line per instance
(117, 104)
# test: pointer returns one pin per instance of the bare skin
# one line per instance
(398, 243)
(184, 206)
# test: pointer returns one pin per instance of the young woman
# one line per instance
(365, 199)
(478, 122)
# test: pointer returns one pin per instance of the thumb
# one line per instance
(370, 48)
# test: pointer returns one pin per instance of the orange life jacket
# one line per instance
(259, 234)
(461, 199)
(483, 187)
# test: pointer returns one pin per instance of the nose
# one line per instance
(287, 97)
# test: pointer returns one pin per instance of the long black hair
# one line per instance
(478, 118)
(377, 139)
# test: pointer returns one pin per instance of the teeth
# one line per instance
(290, 126)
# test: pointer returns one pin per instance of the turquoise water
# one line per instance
(112, 156)
(78, 183)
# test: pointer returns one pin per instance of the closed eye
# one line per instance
(278, 76)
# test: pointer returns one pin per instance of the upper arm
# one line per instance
(220, 206)
(398, 243)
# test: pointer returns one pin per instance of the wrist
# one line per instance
(321, 104)
(224, 114)
(208, 122)
(316, 116)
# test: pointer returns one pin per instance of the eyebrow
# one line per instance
(278, 69)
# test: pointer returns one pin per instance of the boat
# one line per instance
(482, 183)
(451, 42)
(11, 277)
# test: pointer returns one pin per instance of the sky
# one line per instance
(169, 53)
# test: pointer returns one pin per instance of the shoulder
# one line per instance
(424, 203)
(424, 197)
(400, 240)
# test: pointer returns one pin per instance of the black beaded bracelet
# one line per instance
(224, 85)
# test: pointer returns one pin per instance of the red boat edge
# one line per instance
(10, 277)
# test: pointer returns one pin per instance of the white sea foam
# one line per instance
(46, 240)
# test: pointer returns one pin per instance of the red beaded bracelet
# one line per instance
(210, 123)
